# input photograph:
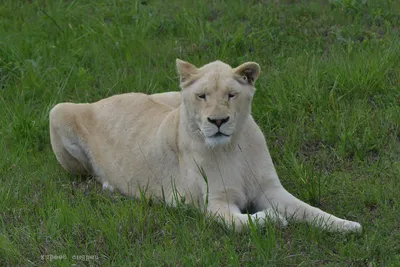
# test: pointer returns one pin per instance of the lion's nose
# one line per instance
(218, 122)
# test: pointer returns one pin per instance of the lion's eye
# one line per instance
(202, 96)
(244, 78)
(231, 95)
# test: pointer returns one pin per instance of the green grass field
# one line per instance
(328, 102)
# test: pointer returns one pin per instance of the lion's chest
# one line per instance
(222, 173)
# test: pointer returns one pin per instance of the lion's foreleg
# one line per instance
(285, 203)
(231, 214)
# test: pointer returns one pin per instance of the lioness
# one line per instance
(201, 144)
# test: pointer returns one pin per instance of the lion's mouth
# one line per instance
(216, 135)
(218, 138)
(219, 134)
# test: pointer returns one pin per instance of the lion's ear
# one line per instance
(185, 70)
(248, 71)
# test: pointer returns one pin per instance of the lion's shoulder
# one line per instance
(172, 99)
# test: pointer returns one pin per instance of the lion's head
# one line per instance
(216, 98)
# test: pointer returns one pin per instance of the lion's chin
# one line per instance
(219, 140)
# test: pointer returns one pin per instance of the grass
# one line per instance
(328, 102)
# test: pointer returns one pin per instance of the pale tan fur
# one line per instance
(158, 144)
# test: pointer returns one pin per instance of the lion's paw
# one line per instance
(349, 226)
(107, 186)
(270, 215)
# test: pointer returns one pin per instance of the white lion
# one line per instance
(201, 144)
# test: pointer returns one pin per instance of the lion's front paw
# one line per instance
(349, 226)
(343, 226)
(270, 215)
(258, 216)
(107, 186)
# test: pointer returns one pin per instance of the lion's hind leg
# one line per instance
(66, 140)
